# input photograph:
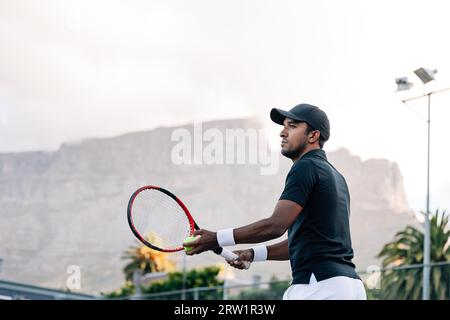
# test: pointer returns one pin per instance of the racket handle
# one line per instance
(230, 256)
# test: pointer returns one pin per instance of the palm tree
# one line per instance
(145, 259)
(407, 249)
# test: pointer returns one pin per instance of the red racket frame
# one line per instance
(192, 225)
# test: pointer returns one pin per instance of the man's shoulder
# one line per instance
(317, 165)
(303, 164)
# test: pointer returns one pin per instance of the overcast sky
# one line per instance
(70, 70)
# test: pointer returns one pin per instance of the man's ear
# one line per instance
(315, 136)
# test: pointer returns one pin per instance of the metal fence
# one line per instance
(18, 291)
(401, 283)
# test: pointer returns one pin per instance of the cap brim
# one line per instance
(278, 116)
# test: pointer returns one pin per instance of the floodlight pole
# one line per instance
(427, 238)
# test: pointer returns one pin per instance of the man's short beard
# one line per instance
(294, 153)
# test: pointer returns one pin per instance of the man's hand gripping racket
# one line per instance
(162, 222)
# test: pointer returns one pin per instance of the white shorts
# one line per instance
(336, 288)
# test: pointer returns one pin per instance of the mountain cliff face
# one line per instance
(69, 207)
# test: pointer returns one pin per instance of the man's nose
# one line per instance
(283, 133)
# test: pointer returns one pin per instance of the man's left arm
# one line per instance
(285, 213)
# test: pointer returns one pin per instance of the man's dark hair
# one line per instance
(309, 129)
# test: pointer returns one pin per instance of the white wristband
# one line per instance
(259, 253)
(225, 237)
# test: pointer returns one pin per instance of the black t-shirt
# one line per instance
(319, 239)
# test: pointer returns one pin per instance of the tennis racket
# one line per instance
(161, 221)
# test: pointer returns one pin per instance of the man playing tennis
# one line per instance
(314, 207)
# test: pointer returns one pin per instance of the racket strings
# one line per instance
(160, 219)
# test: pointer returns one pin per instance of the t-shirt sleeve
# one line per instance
(300, 182)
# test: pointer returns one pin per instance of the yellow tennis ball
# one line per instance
(189, 239)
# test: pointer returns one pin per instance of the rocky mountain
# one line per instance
(68, 207)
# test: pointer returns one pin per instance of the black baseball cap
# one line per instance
(304, 112)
